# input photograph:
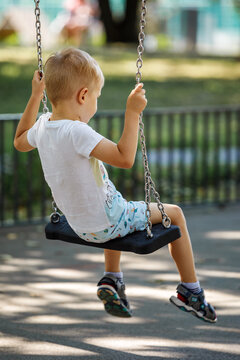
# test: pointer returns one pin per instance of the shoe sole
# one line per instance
(112, 303)
(182, 306)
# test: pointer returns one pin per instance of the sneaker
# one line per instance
(194, 303)
(111, 292)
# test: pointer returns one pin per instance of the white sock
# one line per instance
(118, 275)
(195, 288)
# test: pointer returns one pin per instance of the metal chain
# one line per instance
(39, 51)
(40, 69)
(149, 184)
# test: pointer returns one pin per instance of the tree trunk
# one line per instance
(191, 18)
(120, 31)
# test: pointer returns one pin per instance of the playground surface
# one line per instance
(49, 309)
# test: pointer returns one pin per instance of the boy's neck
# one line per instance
(62, 112)
(63, 116)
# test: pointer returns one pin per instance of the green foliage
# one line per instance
(11, 40)
(163, 88)
(163, 41)
(16, 88)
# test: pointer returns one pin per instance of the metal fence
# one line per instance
(194, 156)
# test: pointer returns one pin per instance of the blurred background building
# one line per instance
(202, 27)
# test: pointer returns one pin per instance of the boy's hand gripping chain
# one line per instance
(55, 216)
(149, 184)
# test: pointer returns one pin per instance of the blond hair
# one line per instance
(68, 70)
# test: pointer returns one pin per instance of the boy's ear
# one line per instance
(81, 96)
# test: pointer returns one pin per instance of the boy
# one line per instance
(72, 153)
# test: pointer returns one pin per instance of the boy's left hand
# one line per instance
(38, 85)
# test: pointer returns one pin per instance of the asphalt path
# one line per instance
(49, 309)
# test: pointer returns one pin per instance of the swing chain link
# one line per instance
(39, 51)
(149, 183)
(40, 69)
(54, 206)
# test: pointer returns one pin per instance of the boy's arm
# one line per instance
(123, 153)
(30, 114)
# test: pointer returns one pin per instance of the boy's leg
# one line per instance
(111, 288)
(190, 295)
(112, 260)
(180, 249)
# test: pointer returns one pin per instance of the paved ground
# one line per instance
(49, 309)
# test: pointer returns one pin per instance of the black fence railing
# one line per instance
(194, 157)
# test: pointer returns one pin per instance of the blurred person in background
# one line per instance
(80, 14)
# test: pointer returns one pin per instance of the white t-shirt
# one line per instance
(79, 183)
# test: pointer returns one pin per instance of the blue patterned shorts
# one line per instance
(132, 218)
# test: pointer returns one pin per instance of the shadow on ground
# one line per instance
(49, 308)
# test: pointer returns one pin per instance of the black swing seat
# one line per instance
(136, 242)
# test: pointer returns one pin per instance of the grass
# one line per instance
(173, 81)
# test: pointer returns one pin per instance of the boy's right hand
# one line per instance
(38, 85)
(137, 101)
